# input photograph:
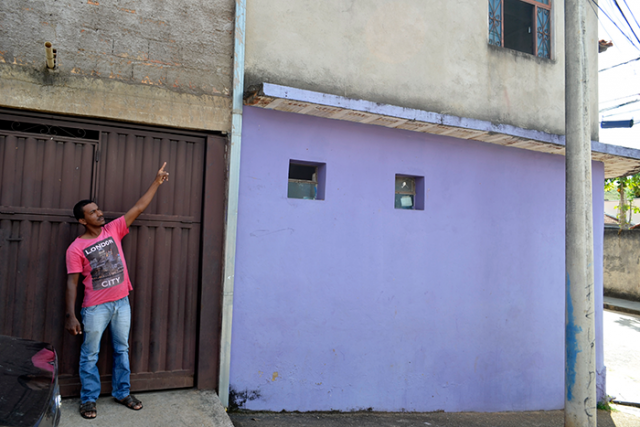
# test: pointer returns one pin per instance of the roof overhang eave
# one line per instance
(618, 161)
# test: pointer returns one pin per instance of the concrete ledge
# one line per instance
(624, 306)
(112, 99)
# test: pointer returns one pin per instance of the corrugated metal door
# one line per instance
(42, 177)
(162, 249)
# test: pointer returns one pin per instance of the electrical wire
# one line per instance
(615, 24)
(632, 15)
(618, 114)
(619, 105)
(633, 43)
(626, 20)
(618, 99)
(594, 9)
(617, 65)
(595, 12)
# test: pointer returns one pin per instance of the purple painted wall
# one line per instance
(348, 303)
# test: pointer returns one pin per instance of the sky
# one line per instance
(620, 84)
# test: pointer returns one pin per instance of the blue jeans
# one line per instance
(116, 315)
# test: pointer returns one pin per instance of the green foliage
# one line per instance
(605, 405)
(631, 185)
(628, 188)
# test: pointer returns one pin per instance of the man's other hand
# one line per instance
(73, 326)
(162, 176)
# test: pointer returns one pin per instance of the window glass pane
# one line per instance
(544, 33)
(404, 201)
(495, 22)
(544, 1)
(518, 26)
(304, 172)
(405, 184)
(302, 190)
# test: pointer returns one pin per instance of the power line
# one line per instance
(632, 15)
(615, 24)
(619, 105)
(626, 20)
(633, 43)
(595, 12)
(617, 65)
(618, 99)
(621, 113)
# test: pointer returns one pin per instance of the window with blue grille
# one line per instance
(522, 25)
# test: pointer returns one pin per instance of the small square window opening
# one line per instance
(306, 180)
(409, 192)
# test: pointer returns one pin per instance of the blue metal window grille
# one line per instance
(542, 19)
(495, 22)
(543, 32)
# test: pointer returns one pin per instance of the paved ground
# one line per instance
(622, 355)
(359, 419)
(167, 408)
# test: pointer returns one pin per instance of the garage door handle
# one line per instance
(14, 239)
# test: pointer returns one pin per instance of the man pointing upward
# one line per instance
(97, 255)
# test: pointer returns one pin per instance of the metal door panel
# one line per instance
(162, 249)
(42, 177)
(44, 172)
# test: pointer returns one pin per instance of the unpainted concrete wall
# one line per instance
(622, 263)
(420, 54)
(165, 62)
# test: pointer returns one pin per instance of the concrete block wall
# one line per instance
(622, 264)
(132, 56)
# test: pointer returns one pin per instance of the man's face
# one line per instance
(92, 216)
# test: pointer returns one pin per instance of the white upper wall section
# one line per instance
(423, 54)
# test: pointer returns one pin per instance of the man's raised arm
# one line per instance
(144, 201)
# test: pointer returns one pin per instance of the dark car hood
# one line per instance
(27, 375)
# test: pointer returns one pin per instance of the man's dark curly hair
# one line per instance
(78, 209)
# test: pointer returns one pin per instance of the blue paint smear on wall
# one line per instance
(571, 344)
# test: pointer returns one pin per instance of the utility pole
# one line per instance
(580, 363)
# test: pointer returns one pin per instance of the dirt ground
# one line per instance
(621, 417)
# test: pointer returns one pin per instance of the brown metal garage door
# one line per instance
(46, 168)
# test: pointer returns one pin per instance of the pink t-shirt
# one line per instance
(101, 262)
